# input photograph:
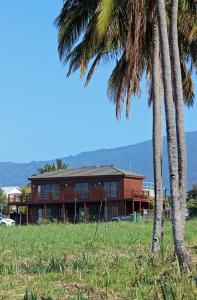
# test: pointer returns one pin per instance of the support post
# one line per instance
(27, 215)
(133, 206)
(84, 211)
(9, 211)
(75, 215)
(45, 211)
(64, 217)
(106, 210)
(125, 208)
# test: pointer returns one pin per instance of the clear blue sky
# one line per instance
(44, 115)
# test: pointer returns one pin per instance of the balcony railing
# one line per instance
(71, 196)
(16, 198)
(44, 197)
(136, 194)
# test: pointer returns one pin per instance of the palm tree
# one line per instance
(171, 138)
(178, 98)
(59, 165)
(174, 161)
(157, 141)
(118, 41)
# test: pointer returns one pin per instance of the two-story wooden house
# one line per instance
(91, 192)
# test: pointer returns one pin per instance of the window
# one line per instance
(95, 186)
(44, 190)
(47, 189)
(114, 189)
(81, 190)
(55, 188)
(107, 189)
(111, 189)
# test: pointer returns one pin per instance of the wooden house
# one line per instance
(88, 193)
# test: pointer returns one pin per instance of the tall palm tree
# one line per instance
(80, 18)
(178, 225)
(178, 98)
(171, 137)
(157, 141)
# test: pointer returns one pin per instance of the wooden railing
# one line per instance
(71, 196)
(136, 194)
(45, 197)
(16, 198)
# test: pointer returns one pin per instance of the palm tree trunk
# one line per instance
(157, 143)
(171, 137)
(178, 99)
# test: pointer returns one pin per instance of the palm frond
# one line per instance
(188, 87)
(72, 22)
(105, 11)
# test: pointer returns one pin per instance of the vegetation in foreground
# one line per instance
(79, 262)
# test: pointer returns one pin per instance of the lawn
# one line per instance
(82, 261)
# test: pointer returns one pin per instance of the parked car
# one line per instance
(4, 221)
(2, 216)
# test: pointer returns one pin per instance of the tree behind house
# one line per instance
(58, 165)
(3, 201)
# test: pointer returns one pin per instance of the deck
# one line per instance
(72, 197)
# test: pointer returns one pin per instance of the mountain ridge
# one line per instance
(136, 158)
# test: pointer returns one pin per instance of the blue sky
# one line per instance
(45, 115)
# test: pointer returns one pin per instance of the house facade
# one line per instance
(88, 193)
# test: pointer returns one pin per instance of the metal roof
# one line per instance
(86, 172)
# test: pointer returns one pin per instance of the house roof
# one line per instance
(86, 172)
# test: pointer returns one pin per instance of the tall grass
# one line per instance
(67, 262)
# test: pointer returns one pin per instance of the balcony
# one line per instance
(136, 195)
(49, 197)
(70, 196)
(19, 199)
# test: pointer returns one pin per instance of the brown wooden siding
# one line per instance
(130, 186)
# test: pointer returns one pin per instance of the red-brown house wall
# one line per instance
(126, 185)
(67, 187)
(130, 185)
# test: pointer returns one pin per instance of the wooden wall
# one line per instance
(130, 185)
(126, 186)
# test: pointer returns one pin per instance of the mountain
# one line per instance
(136, 158)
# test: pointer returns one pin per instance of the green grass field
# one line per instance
(71, 262)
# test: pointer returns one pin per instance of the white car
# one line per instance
(4, 221)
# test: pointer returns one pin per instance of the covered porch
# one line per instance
(79, 211)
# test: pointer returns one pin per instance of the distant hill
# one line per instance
(136, 158)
